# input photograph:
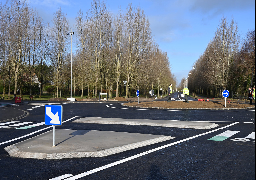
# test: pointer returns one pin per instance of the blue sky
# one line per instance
(182, 28)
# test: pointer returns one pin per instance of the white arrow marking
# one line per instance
(55, 118)
(252, 135)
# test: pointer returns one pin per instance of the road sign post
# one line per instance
(138, 94)
(225, 94)
(53, 116)
(53, 136)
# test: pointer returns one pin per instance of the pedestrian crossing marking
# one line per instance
(223, 136)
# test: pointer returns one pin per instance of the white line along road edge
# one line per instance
(71, 177)
(34, 132)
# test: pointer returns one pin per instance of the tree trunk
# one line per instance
(82, 95)
(127, 87)
(117, 89)
(4, 89)
(88, 95)
(16, 80)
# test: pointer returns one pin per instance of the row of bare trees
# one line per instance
(118, 51)
(111, 52)
(225, 64)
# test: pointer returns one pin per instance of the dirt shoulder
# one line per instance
(190, 105)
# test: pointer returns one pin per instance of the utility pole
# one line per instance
(71, 99)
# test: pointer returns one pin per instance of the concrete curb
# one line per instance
(188, 108)
(139, 123)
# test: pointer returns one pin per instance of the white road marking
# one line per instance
(174, 110)
(32, 125)
(139, 155)
(142, 109)
(252, 110)
(228, 133)
(29, 109)
(245, 139)
(223, 136)
(210, 121)
(62, 177)
(248, 122)
(8, 123)
(4, 127)
(124, 108)
(34, 132)
(22, 123)
(251, 136)
(113, 107)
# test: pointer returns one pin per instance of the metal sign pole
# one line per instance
(53, 138)
(138, 100)
(225, 101)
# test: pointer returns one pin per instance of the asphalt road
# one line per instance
(224, 152)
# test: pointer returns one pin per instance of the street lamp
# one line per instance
(71, 99)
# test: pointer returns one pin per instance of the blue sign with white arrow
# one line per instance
(138, 93)
(53, 114)
(225, 93)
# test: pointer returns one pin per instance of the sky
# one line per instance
(182, 28)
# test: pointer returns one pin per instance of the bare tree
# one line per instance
(58, 45)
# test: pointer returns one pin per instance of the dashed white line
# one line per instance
(32, 125)
(139, 155)
(142, 109)
(5, 127)
(124, 108)
(8, 123)
(19, 124)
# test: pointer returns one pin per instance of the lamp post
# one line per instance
(71, 99)
(187, 80)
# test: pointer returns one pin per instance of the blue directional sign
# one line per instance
(138, 93)
(225, 93)
(53, 114)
